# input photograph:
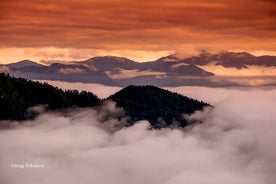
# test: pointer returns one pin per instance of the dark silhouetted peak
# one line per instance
(160, 107)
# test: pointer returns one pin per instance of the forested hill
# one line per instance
(17, 95)
(160, 107)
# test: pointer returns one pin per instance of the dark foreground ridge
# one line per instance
(17, 95)
(160, 107)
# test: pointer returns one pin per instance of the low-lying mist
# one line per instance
(233, 145)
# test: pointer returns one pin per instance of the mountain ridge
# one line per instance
(160, 107)
(237, 60)
(173, 57)
(23, 63)
(18, 95)
(170, 70)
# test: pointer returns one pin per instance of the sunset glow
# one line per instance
(137, 91)
(142, 30)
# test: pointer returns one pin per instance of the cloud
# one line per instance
(100, 90)
(75, 70)
(104, 91)
(250, 76)
(252, 70)
(4, 69)
(49, 55)
(234, 144)
(216, 96)
(143, 26)
(122, 74)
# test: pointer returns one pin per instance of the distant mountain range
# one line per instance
(63, 72)
(162, 108)
(119, 71)
(230, 59)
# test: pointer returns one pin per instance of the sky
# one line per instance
(141, 30)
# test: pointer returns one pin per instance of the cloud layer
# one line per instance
(234, 144)
(100, 90)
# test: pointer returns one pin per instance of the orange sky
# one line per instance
(142, 30)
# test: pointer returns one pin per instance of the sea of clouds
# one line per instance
(235, 144)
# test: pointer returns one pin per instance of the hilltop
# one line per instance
(160, 107)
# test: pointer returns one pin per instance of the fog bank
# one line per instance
(234, 144)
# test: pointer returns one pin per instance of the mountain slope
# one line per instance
(266, 61)
(111, 64)
(63, 72)
(162, 72)
(23, 63)
(17, 95)
(230, 59)
(173, 66)
(160, 107)
(108, 63)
